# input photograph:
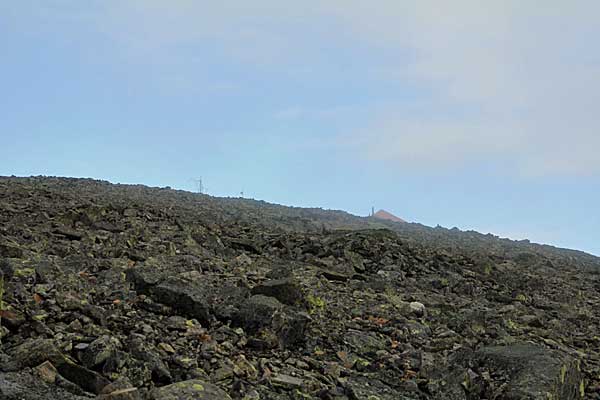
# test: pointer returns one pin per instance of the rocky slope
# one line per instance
(128, 292)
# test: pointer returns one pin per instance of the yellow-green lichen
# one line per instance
(24, 272)
(512, 325)
(302, 395)
(39, 317)
(521, 297)
(198, 387)
(315, 303)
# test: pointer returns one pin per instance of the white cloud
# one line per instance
(523, 74)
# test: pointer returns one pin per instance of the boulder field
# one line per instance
(124, 292)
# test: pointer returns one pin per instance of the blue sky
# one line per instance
(481, 115)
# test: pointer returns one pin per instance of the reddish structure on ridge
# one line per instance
(382, 214)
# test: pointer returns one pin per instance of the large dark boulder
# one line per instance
(286, 290)
(202, 298)
(526, 371)
(260, 314)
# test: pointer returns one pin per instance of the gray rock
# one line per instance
(32, 353)
(359, 388)
(121, 394)
(261, 313)
(143, 351)
(121, 389)
(200, 299)
(10, 250)
(99, 351)
(189, 390)
(285, 290)
(417, 308)
(287, 381)
(26, 386)
(364, 343)
(530, 371)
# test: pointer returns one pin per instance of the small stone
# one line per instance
(47, 372)
(242, 260)
(332, 369)
(76, 326)
(176, 322)
(336, 275)
(99, 351)
(417, 308)
(167, 348)
(130, 212)
(13, 319)
(193, 389)
(222, 374)
(147, 329)
(191, 275)
(252, 395)
(119, 384)
(287, 381)
(81, 346)
(243, 368)
(121, 394)
(185, 362)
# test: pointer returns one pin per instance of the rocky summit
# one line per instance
(122, 292)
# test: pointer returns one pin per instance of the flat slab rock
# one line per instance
(189, 390)
(37, 352)
(25, 385)
(287, 381)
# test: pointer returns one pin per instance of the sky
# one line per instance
(479, 115)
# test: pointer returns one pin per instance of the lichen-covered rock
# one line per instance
(189, 390)
(364, 343)
(26, 386)
(32, 353)
(99, 351)
(525, 370)
(262, 313)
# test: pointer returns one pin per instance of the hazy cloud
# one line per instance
(507, 82)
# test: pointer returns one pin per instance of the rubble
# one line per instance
(121, 292)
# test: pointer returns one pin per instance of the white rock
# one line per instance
(417, 308)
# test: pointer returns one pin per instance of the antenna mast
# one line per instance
(199, 186)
